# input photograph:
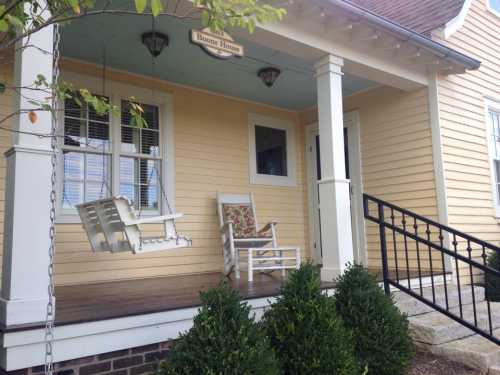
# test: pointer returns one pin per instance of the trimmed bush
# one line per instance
(305, 330)
(383, 344)
(492, 281)
(224, 340)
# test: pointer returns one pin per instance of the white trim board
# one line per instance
(24, 349)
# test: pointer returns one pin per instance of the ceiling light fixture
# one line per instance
(155, 42)
(269, 75)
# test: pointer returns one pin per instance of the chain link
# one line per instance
(49, 323)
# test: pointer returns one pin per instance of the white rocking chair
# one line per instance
(245, 243)
(112, 225)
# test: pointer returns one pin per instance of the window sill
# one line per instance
(261, 179)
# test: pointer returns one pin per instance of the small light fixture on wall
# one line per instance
(155, 42)
(269, 75)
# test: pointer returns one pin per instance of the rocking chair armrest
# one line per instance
(268, 226)
(153, 219)
(225, 226)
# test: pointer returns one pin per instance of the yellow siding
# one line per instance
(396, 151)
(211, 154)
(464, 129)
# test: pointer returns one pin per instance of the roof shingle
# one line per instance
(422, 16)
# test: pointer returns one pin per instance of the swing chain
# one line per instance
(50, 313)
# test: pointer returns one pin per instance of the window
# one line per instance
(494, 6)
(493, 114)
(272, 151)
(104, 156)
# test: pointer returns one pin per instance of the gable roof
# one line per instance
(422, 16)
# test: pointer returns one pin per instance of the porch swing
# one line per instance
(112, 224)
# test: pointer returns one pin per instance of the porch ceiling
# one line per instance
(184, 63)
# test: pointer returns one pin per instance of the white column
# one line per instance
(24, 293)
(336, 231)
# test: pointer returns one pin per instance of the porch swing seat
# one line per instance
(112, 225)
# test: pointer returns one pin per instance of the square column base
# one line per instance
(26, 311)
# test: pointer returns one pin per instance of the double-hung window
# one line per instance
(493, 117)
(106, 155)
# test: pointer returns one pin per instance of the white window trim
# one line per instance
(291, 156)
(117, 91)
(492, 105)
(491, 9)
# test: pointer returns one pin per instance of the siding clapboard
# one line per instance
(464, 127)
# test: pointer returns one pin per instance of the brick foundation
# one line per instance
(134, 361)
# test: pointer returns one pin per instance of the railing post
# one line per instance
(383, 248)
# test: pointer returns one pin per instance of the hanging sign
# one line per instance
(217, 43)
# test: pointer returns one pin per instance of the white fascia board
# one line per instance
(313, 36)
(455, 24)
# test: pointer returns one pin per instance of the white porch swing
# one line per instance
(112, 224)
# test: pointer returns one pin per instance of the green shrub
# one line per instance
(224, 340)
(492, 281)
(305, 331)
(383, 344)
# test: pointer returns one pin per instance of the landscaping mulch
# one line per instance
(428, 364)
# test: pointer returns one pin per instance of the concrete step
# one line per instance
(474, 351)
(435, 328)
(411, 306)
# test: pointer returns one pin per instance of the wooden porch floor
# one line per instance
(118, 299)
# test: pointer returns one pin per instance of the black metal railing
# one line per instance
(417, 257)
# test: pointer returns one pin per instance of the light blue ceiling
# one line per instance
(185, 63)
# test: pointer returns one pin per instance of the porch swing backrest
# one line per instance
(106, 222)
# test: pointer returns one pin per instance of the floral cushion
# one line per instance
(242, 218)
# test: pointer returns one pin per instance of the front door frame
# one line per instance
(351, 122)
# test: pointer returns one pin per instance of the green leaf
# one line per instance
(2, 87)
(140, 5)
(156, 7)
(4, 26)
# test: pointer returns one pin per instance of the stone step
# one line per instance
(436, 328)
(474, 351)
(411, 306)
(495, 370)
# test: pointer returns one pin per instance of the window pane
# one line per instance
(139, 182)
(75, 131)
(151, 116)
(99, 136)
(150, 142)
(129, 191)
(495, 4)
(73, 165)
(71, 108)
(72, 194)
(98, 168)
(130, 140)
(127, 170)
(271, 146)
